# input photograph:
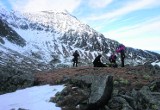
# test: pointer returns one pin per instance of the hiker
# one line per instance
(97, 62)
(121, 50)
(112, 60)
(75, 59)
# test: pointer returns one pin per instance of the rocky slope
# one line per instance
(133, 88)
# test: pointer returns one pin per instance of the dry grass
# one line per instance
(134, 75)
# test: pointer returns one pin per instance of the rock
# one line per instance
(146, 100)
(86, 92)
(70, 97)
(12, 79)
(157, 67)
(101, 89)
(119, 103)
(129, 99)
(155, 86)
(133, 96)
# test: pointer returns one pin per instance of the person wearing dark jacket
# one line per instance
(97, 62)
(75, 59)
(121, 50)
(122, 58)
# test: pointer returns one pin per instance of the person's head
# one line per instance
(121, 45)
(100, 55)
(113, 53)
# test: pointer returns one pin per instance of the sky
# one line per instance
(135, 23)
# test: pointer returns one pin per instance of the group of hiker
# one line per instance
(112, 59)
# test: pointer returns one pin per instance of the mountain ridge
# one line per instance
(51, 38)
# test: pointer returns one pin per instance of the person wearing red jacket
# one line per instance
(112, 60)
(121, 50)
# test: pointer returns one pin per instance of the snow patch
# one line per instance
(33, 98)
(156, 63)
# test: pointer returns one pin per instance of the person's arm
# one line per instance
(99, 59)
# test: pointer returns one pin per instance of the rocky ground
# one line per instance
(12, 79)
(130, 77)
(134, 88)
(93, 88)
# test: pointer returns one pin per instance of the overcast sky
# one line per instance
(135, 23)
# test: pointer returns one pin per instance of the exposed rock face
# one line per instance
(147, 98)
(119, 103)
(10, 34)
(139, 89)
(97, 92)
(84, 98)
(12, 79)
(101, 90)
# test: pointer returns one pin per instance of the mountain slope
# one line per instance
(9, 34)
(50, 38)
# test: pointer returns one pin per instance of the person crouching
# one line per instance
(97, 62)
(112, 60)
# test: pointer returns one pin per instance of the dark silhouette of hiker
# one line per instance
(112, 60)
(121, 50)
(97, 62)
(75, 59)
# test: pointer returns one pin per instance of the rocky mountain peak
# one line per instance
(51, 38)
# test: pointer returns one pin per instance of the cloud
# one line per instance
(150, 26)
(144, 35)
(147, 43)
(99, 3)
(127, 8)
(41, 5)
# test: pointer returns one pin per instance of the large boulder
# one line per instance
(13, 79)
(101, 88)
(87, 92)
(101, 91)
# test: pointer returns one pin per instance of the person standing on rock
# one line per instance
(75, 59)
(121, 50)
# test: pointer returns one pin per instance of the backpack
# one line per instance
(120, 48)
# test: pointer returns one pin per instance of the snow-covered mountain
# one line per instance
(46, 39)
